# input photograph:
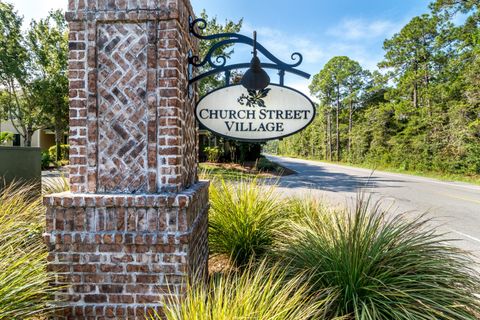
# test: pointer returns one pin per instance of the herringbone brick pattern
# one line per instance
(122, 107)
(136, 219)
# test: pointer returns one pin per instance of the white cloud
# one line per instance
(361, 29)
(302, 86)
(316, 51)
(282, 45)
(362, 53)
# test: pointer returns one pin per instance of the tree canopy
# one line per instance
(33, 73)
(420, 112)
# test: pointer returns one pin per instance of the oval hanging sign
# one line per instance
(248, 115)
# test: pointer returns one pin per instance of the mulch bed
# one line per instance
(250, 168)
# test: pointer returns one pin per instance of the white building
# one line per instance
(41, 138)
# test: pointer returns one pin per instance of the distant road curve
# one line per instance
(454, 206)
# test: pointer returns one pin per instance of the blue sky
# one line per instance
(319, 29)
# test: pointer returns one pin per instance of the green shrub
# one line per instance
(46, 160)
(243, 218)
(5, 137)
(212, 153)
(62, 163)
(64, 152)
(24, 281)
(263, 164)
(257, 293)
(298, 208)
(371, 267)
(55, 185)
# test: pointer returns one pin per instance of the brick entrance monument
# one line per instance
(134, 226)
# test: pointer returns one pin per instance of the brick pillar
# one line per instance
(134, 226)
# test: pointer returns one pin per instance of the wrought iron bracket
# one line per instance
(218, 64)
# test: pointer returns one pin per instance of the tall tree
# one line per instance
(411, 56)
(15, 75)
(48, 42)
(356, 83)
(423, 112)
(339, 82)
(455, 6)
(323, 88)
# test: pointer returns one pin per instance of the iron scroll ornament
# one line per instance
(218, 64)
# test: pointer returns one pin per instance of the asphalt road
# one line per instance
(453, 206)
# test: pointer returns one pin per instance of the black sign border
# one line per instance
(257, 140)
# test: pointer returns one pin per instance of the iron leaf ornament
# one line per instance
(254, 98)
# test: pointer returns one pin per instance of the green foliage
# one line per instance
(64, 152)
(16, 76)
(213, 27)
(212, 153)
(13, 53)
(5, 137)
(46, 160)
(209, 172)
(421, 115)
(263, 164)
(246, 151)
(339, 85)
(369, 266)
(48, 42)
(259, 293)
(24, 282)
(33, 73)
(243, 218)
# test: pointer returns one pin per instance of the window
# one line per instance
(16, 140)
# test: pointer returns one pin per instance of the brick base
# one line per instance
(122, 255)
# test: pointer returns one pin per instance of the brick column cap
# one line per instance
(176, 200)
(115, 10)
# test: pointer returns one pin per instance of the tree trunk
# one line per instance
(58, 142)
(338, 128)
(350, 125)
(415, 88)
(415, 95)
(427, 87)
(330, 136)
(28, 137)
(327, 122)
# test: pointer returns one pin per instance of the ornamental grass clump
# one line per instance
(244, 217)
(371, 266)
(259, 293)
(55, 185)
(24, 281)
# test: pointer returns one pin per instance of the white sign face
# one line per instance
(250, 115)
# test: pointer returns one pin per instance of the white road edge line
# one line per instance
(465, 235)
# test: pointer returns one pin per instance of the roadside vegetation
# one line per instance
(24, 281)
(358, 264)
(253, 214)
(281, 259)
(259, 292)
(373, 267)
(287, 258)
(420, 114)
